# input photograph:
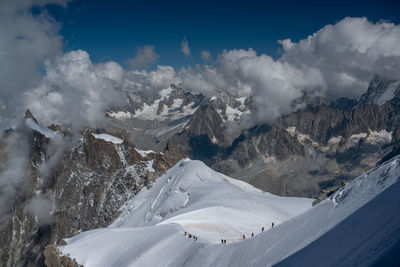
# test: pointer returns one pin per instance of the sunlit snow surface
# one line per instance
(191, 197)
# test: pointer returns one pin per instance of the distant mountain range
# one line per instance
(91, 176)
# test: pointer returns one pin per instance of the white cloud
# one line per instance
(336, 61)
(14, 172)
(26, 40)
(42, 207)
(273, 84)
(185, 47)
(145, 57)
(205, 55)
(74, 90)
(348, 54)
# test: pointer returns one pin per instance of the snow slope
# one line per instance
(208, 204)
(190, 196)
(377, 228)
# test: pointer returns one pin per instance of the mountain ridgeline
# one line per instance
(73, 183)
(314, 148)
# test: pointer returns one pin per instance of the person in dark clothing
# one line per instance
(272, 225)
(262, 229)
(244, 237)
(252, 234)
(185, 234)
(222, 241)
(225, 241)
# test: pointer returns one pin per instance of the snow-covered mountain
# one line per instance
(150, 120)
(319, 146)
(193, 198)
(380, 91)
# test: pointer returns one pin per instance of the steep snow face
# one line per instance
(208, 204)
(164, 244)
(380, 91)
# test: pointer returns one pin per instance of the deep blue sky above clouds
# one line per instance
(112, 30)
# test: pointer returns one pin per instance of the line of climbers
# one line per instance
(191, 236)
(223, 241)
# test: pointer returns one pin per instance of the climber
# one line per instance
(222, 241)
(272, 225)
(244, 237)
(252, 234)
(262, 229)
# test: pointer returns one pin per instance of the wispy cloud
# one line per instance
(185, 47)
(27, 40)
(205, 55)
(145, 57)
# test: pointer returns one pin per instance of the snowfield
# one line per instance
(191, 197)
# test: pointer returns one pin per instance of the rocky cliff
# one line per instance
(312, 149)
(82, 182)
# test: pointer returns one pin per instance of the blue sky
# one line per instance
(112, 30)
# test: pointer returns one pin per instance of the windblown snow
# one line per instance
(193, 198)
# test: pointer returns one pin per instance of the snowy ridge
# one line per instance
(144, 153)
(189, 197)
(163, 243)
(43, 130)
(108, 138)
(208, 204)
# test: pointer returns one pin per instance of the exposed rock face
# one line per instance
(304, 152)
(54, 259)
(86, 186)
(328, 145)
(202, 138)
